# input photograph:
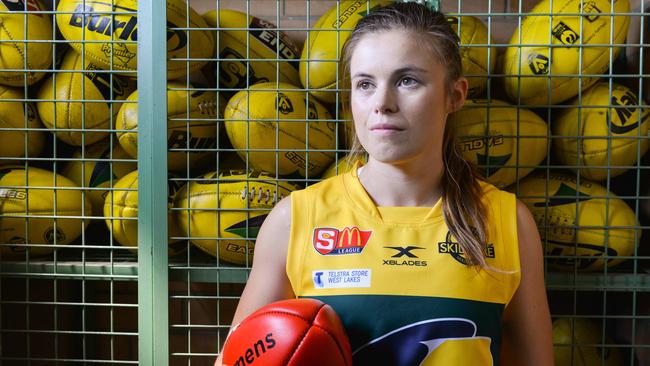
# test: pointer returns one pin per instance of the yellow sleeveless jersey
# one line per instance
(398, 279)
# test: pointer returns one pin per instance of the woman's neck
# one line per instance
(413, 183)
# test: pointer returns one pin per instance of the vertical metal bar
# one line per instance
(152, 188)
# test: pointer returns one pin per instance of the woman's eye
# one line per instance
(407, 81)
(364, 85)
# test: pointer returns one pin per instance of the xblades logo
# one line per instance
(404, 252)
(284, 105)
(538, 63)
(565, 195)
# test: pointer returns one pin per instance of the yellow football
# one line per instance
(591, 136)
(584, 226)
(24, 52)
(95, 169)
(101, 22)
(575, 344)
(549, 58)
(268, 49)
(48, 195)
(18, 116)
(121, 213)
(76, 103)
(223, 213)
(191, 125)
(503, 141)
(478, 59)
(272, 126)
(324, 43)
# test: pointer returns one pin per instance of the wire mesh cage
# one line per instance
(102, 262)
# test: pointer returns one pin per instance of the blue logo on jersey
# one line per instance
(415, 344)
(317, 279)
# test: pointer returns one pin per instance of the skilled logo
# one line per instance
(538, 64)
(563, 33)
(591, 11)
(330, 241)
(454, 249)
(564, 195)
(405, 252)
(428, 342)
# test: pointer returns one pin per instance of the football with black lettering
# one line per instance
(191, 126)
(583, 226)
(251, 50)
(289, 332)
(121, 213)
(38, 192)
(113, 28)
(222, 213)
(603, 133)
(79, 103)
(504, 141)
(550, 59)
(284, 121)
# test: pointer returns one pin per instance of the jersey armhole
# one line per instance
(508, 204)
(296, 248)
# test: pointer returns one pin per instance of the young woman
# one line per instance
(424, 263)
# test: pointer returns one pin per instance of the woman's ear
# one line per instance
(458, 94)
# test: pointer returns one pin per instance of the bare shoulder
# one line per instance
(273, 238)
(528, 236)
(528, 309)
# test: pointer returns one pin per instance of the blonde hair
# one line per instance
(463, 208)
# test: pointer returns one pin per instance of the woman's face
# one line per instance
(399, 98)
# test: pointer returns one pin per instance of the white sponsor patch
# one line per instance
(341, 278)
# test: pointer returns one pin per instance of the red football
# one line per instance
(297, 332)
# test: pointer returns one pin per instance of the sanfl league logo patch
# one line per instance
(330, 241)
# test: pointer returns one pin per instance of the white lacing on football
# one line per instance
(260, 195)
(208, 107)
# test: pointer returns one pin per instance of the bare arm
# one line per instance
(527, 334)
(268, 280)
